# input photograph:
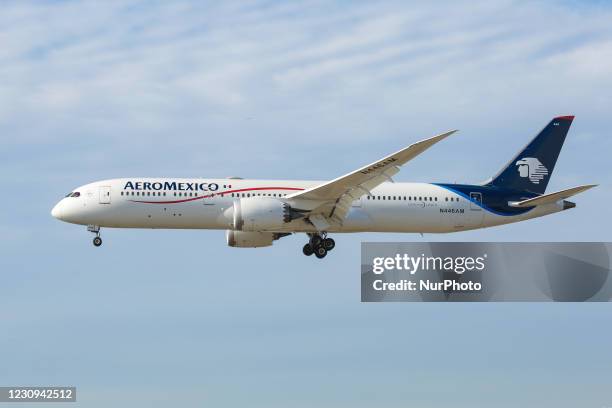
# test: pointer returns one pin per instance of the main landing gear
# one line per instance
(319, 245)
(97, 241)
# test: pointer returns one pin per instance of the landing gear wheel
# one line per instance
(307, 250)
(320, 252)
(329, 244)
(315, 241)
(97, 241)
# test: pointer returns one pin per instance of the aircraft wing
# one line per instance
(552, 197)
(329, 202)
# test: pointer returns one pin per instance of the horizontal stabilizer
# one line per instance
(552, 197)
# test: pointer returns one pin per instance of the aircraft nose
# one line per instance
(56, 212)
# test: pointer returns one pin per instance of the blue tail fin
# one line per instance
(531, 169)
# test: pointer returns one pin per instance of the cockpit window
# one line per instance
(73, 194)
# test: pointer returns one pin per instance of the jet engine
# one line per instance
(261, 214)
(248, 239)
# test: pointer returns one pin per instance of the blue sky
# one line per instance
(306, 90)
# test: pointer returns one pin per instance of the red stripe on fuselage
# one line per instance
(220, 193)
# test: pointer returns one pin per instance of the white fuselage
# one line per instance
(204, 204)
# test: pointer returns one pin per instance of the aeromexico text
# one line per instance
(170, 185)
(414, 264)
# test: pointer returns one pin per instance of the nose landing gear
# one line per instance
(319, 245)
(97, 241)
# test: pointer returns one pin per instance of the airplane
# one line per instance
(255, 213)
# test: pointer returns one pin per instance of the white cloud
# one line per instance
(179, 77)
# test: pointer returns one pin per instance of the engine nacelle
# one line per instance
(260, 214)
(249, 239)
